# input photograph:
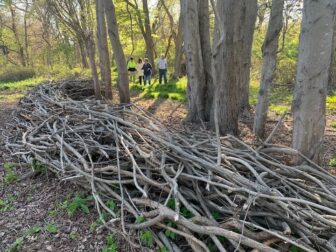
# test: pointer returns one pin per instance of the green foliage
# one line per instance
(174, 90)
(77, 203)
(294, 248)
(186, 213)
(331, 103)
(216, 215)
(51, 228)
(333, 125)
(332, 162)
(6, 205)
(38, 167)
(20, 85)
(33, 230)
(147, 238)
(170, 234)
(10, 174)
(73, 235)
(111, 244)
(140, 219)
(13, 73)
(15, 246)
(111, 204)
(163, 249)
(171, 204)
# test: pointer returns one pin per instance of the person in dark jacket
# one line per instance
(147, 67)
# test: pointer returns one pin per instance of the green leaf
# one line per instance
(147, 238)
(51, 228)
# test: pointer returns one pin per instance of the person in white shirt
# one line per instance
(162, 66)
(140, 71)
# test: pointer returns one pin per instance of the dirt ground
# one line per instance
(35, 203)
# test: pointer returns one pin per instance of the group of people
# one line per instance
(144, 70)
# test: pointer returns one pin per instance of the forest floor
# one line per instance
(33, 210)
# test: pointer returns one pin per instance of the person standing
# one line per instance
(140, 71)
(162, 66)
(147, 68)
(131, 67)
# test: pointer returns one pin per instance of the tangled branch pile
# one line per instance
(209, 192)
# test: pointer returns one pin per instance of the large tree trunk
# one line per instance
(148, 35)
(226, 66)
(104, 59)
(249, 16)
(123, 81)
(91, 53)
(193, 53)
(270, 48)
(332, 70)
(309, 104)
(204, 31)
(178, 50)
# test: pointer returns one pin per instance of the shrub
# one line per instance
(10, 74)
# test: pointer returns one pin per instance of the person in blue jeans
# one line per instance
(147, 68)
(162, 66)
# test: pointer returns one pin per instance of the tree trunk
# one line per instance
(178, 50)
(104, 59)
(26, 42)
(332, 71)
(91, 53)
(204, 31)
(81, 47)
(249, 16)
(226, 66)
(193, 53)
(148, 35)
(16, 35)
(270, 48)
(123, 81)
(309, 104)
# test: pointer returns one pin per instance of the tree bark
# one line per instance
(226, 66)
(104, 59)
(81, 47)
(91, 53)
(193, 53)
(270, 48)
(178, 50)
(249, 16)
(148, 35)
(16, 35)
(123, 81)
(204, 31)
(332, 71)
(309, 104)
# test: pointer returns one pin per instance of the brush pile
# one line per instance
(192, 190)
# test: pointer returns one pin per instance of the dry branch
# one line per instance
(250, 198)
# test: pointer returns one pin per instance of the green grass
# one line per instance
(20, 85)
(174, 90)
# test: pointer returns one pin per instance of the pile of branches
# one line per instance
(210, 192)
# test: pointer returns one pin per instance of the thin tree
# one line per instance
(104, 58)
(248, 20)
(204, 32)
(178, 49)
(269, 50)
(113, 31)
(309, 104)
